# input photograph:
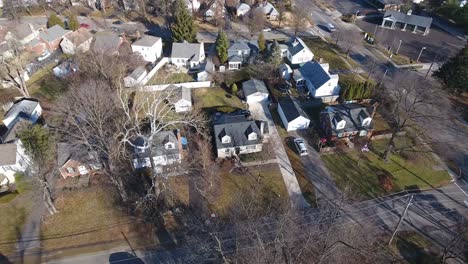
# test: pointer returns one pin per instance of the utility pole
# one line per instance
(401, 220)
(430, 67)
(375, 31)
(398, 48)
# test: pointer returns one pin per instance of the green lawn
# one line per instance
(367, 175)
(163, 77)
(322, 49)
(21, 187)
(216, 98)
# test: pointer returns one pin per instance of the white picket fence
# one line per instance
(153, 71)
(160, 87)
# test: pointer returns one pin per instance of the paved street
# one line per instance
(260, 111)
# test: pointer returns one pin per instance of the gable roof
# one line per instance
(239, 45)
(350, 113)
(180, 92)
(106, 42)
(53, 33)
(158, 145)
(238, 130)
(146, 41)
(409, 19)
(79, 36)
(296, 45)
(22, 108)
(186, 50)
(314, 72)
(137, 73)
(7, 154)
(23, 30)
(254, 86)
(291, 109)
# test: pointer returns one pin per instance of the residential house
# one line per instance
(181, 97)
(52, 37)
(149, 47)
(65, 69)
(388, 4)
(292, 115)
(242, 9)
(317, 79)
(269, 10)
(239, 53)
(135, 77)
(255, 91)
(216, 10)
(77, 41)
(24, 109)
(189, 55)
(406, 22)
(285, 71)
(346, 121)
(236, 135)
(165, 149)
(106, 42)
(13, 159)
(76, 162)
(298, 52)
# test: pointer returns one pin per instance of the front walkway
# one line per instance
(260, 111)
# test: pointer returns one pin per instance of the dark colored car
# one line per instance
(84, 25)
(118, 22)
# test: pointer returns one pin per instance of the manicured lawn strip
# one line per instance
(163, 77)
(409, 170)
(216, 98)
(322, 49)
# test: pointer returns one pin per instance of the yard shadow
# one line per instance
(124, 258)
(414, 253)
(4, 259)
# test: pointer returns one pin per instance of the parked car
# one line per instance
(301, 147)
(330, 27)
(43, 56)
(117, 22)
(267, 29)
(84, 25)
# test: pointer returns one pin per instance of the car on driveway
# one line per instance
(330, 27)
(84, 25)
(267, 29)
(301, 147)
(43, 56)
(117, 22)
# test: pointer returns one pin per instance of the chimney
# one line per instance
(409, 12)
(320, 60)
(295, 42)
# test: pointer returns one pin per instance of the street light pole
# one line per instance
(355, 16)
(398, 48)
(419, 56)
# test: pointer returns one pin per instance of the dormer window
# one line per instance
(226, 139)
(253, 136)
(70, 170)
(341, 124)
(366, 122)
(169, 145)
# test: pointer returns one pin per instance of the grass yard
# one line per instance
(90, 216)
(164, 77)
(368, 176)
(322, 49)
(216, 98)
(15, 209)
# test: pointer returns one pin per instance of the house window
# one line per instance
(362, 133)
(239, 52)
(253, 136)
(170, 145)
(226, 140)
(70, 170)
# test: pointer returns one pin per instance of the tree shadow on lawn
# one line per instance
(414, 253)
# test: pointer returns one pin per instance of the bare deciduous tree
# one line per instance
(12, 72)
(255, 20)
(300, 19)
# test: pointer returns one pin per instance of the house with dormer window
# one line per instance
(236, 135)
(297, 51)
(346, 121)
(164, 149)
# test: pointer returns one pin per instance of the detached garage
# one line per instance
(292, 115)
(255, 91)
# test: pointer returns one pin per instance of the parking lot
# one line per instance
(351, 6)
(437, 42)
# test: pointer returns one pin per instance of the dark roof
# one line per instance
(147, 41)
(291, 109)
(296, 45)
(238, 132)
(388, 2)
(66, 152)
(158, 146)
(7, 154)
(180, 92)
(409, 19)
(106, 42)
(53, 33)
(235, 58)
(186, 50)
(353, 114)
(314, 72)
(239, 45)
(253, 86)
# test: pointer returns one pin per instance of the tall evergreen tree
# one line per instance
(261, 42)
(454, 73)
(54, 20)
(275, 54)
(36, 141)
(183, 27)
(73, 23)
(222, 45)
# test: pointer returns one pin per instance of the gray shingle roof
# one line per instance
(79, 36)
(7, 154)
(53, 33)
(235, 58)
(312, 71)
(291, 109)
(186, 50)
(238, 131)
(409, 19)
(253, 86)
(23, 108)
(138, 72)
(158, 146)
(180, 92)
(239, 45)
(352, 114)
(106, 42)
(146, 41)
(296, 45)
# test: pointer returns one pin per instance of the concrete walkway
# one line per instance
(260, 111)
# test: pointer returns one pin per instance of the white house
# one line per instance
(149, 47)
(255, 91)
(285, 71)
(181, 97)
(188, 55)
(298, 52)
(292, 115)
(269, 10)
(135, 77)
(242, 9)
(13, 159)
(316, 78)
(77, 41)
(165, 150)
(23, 109)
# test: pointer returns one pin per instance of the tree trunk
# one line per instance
(390, 145)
